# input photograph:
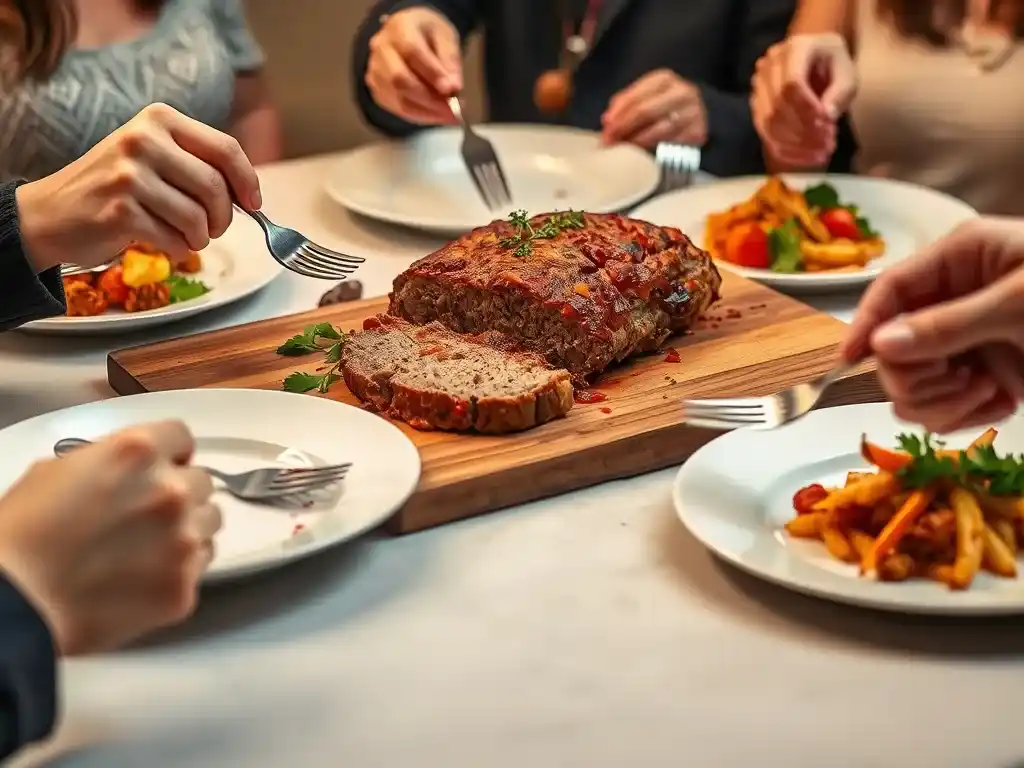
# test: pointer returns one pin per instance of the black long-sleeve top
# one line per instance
(28, 667)
(712, 43)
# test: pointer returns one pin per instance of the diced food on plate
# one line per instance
(491, 332)
(141, 280)
(925, 511)
(788, 231)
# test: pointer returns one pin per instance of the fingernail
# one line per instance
(256, 201)
(894, 337)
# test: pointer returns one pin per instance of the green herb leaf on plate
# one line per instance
(183, 288)
(784, 244)
(823, 196)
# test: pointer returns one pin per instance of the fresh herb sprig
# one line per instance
(182, 288)
(525, 233)
(1003, 475)
(321, 338)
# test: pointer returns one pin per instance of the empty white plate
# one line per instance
(909, 217)
(241, 429)
(423, 182)
(736, 493)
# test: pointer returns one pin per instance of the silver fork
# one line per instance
(679, 164)
(68, 270)
(766, 412)
(301, 255)
(258, 484)
(481, 162)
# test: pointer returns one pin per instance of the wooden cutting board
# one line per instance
(756, 341)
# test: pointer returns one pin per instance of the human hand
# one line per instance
(161, 179)
(109, 542)
(800, 89)
(415, 65)
(660, 106)
(947, 328)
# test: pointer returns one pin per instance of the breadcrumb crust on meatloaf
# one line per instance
(432, 378)
(582, 299)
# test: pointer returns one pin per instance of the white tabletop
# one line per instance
(589, 630)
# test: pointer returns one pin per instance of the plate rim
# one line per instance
(107, 324)
(814, 282)
(861, 596)
(338, 194)
(271, 557)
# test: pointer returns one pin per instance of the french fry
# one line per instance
(970, 531)
(852, 477)
(1005, 507)
(861, 542)
(866, 492)
(838, 253)
(996, 556)
(1005, 530)
(806, 526)
(837, 544)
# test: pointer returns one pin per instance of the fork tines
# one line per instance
(312, 260)
(297, 480)
(679, 164)
(488, 177)
(728, 413)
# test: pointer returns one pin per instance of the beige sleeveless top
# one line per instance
(931, 116)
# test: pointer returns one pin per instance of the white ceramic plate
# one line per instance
(232, 268)
(909, 217)
(292, 430)
(735, 494)
(423, 183)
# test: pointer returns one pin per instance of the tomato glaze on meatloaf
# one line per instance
(585, 298)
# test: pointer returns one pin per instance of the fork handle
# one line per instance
(68, 444)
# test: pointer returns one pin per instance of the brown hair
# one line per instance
(35, 34)
(931, 20)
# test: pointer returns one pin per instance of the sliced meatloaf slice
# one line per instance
(433, 378)
(599, 290)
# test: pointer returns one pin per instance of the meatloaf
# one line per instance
(435, 379)
(583, 297)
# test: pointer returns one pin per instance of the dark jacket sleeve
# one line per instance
(463, 14)
(28, 673)
(733, 146)
(24, 295)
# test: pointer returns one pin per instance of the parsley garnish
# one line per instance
(784, 246)
(323, 338)
(184, 288)
(526, 233)
(1003, 475)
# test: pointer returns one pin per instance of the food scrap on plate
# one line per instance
(926, 512)
(788, 231)
(141, 280)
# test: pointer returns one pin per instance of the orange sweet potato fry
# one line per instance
(897, 527)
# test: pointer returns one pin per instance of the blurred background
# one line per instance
(308, 47)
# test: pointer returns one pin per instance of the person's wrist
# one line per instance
(36, 226)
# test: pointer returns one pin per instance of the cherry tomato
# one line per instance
(805, 499)
(841, 223)
(747, 246)
(112, 284)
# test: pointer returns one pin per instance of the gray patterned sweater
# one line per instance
(189, 60)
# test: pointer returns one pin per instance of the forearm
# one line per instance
(463, 14)
(733, 147)
(255, 121)
(28, 673)
(24, 294)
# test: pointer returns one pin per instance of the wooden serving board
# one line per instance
(755, 342)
